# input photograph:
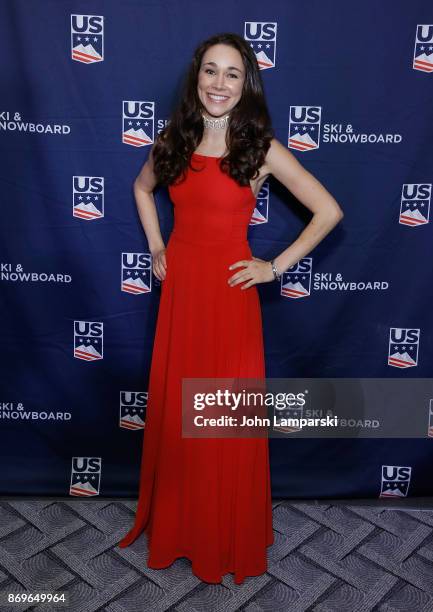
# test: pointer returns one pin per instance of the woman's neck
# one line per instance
(213, 144)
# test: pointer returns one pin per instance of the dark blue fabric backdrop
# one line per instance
(85, 88)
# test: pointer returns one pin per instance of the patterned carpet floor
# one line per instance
(328, 556)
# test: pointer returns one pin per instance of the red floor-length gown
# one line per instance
(205, 499)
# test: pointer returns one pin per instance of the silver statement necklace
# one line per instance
(216, 124)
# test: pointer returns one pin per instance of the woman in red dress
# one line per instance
(209, 499)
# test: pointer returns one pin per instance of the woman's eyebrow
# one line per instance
(228, 68)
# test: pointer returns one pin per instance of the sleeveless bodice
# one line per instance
(209, 206)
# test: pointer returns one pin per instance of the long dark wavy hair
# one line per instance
(249, 129)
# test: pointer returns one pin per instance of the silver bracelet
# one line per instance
(277, 275)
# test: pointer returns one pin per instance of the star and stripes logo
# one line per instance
(261, 209)
(138, 119)
(423, 51)
(430, 419)
(282, 415)
(87, 38)
(132, 409)
(262, 36)
(304, 127)
(395, 481)
(88, 340)
(296, 281)
(403, 347)
(415, 204)
(136, 273)
(88, 197)
(85, 476)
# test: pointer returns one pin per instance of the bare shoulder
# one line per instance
(280, 162)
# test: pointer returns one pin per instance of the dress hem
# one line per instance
(184, 555)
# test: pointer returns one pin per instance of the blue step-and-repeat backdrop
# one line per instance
(85, 88)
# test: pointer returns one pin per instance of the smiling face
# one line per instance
(220, 80)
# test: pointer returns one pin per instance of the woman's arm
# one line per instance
(144, 185)
(284, 166)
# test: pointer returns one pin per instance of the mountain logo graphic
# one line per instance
(88, 197)
(87, 38)
(395, 481)
(261, 209)
(304, 127)
(132, 409)
(403, 345)
(136, 273)
(423, 50)
(138, 120)
(296, 281)
(85, 476)
(415, 204)
(88, 340)
(262, 36)
(430, 419)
